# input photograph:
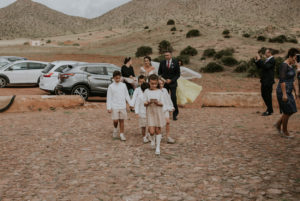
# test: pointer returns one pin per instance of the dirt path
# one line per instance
(220, 154)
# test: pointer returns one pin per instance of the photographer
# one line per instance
(266, 79)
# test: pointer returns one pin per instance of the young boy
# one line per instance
(117, 95)
(137, 102)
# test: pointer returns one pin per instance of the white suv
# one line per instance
(21, 72)
(50, 75)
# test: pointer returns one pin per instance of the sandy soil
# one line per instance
(220, 154)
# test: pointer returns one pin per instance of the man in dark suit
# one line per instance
(169, 69)
(267, 79)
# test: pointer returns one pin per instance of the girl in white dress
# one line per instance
(153, 100)
(148, 69)
(167, 108)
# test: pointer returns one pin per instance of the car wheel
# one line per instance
(3, 82)
(82, 91)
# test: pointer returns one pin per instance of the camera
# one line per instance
(298, 58)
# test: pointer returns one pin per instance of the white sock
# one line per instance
(115, 129)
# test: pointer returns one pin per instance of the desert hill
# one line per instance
(244, 13)
(26, 18)
(29, 19)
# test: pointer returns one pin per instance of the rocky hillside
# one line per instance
(243, 13)
(26, 18)
(29, 19)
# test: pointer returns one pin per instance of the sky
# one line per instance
(82, 8)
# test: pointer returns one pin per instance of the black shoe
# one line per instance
(267, 113)
(174, 118)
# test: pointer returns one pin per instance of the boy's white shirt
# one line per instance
(167, 102)
(137, 102)
(117, 95)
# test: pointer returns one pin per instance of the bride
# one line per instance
(187, 91)
(148, 69)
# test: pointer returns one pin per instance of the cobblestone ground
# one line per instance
(220, 154)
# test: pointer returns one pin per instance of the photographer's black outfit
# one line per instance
(267, 81)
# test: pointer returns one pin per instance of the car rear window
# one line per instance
(2, 64)
(48, 68)
(13, 59)
(64, 68)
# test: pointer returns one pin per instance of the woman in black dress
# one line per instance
(128, 72)
(285, 89)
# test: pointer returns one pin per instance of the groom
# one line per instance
(169, 69)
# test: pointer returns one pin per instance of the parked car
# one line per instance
(4, 60)
(50, 75)
(87, 79)
(21, 72)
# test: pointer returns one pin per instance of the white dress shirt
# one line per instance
(117, 95)
(137, 102)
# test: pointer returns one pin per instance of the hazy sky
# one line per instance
(83, 8)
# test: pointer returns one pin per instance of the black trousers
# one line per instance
(173, 90)
(266, 93)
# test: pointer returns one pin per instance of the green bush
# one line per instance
(159, 58)
(164, 46)
(193, 33)
(209, 52)
(76, 44)
(227, 36)
(225, 52)
(246, 35)
(292, 40)
(189, 51)
(278, 39)
(261, 38)
(184, 58)
(242, 67)
(202, 58)
(174, 29)
(146, 27)
(48, 41)
(143, 51)
(229, 61)
(253, 71)
(171, 22)
(226, 32)
(273, 51)
(26, 43)
(212, 67)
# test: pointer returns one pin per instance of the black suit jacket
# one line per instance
(267, 73)
(172, 73)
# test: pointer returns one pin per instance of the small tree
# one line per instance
(209, 52)
(189, 51)
(261, 38)
(173, 29)
(246, 35)
(212, 67)
(229, 61)
(171, 22)
(159, 58)
(226, 32)
(164, 46)
(193, 33)
(143, 51)
(184, 58)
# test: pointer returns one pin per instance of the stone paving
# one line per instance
(220, 154)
